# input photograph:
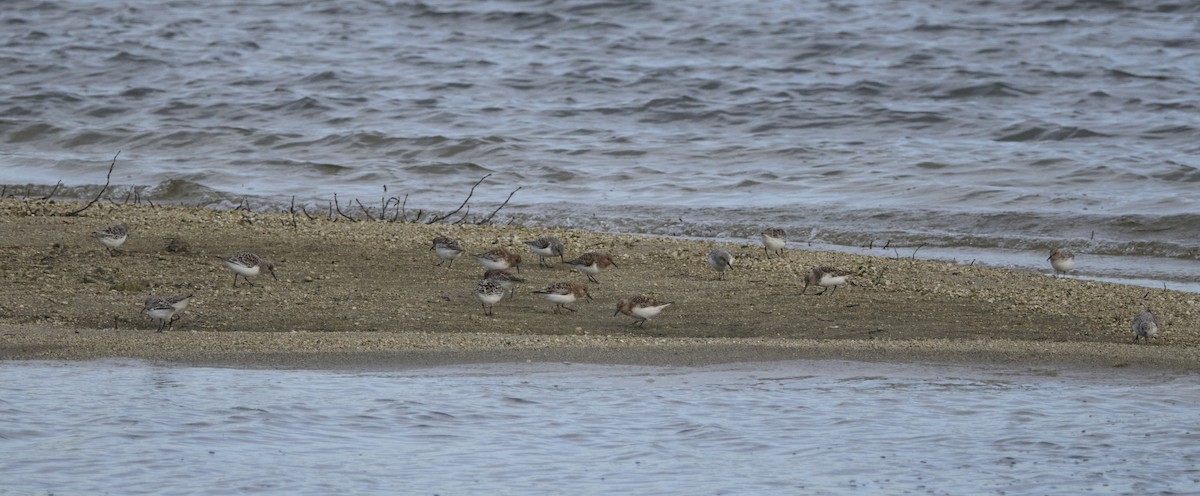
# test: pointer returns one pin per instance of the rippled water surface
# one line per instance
(1011, 125)
(770, 428)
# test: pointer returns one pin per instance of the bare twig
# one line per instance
(107, 179)
(914, 255)
(292, 211)
(52, 192)
(488, 219)
(464, 203)
(464, 217)
(364, 209)
(886, 245)
(339, 209)
(403, 210)
(304, 210)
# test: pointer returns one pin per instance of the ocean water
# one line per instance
(552, 428)
(989, 130)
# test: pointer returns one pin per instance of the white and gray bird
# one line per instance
(721, 261)
(773, 240)
(447, 249)
(547, 246)
(1144, 326)
(246, 264)
(826, 277)
(112, 237)
(166, 310)
(1062, 260)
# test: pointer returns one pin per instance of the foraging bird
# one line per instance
(773, 240)
(246, 264)
(562, 293)
(447, 249)
(825, 276)
(1062, 260)
(1144, 326)
(499, 258)
(640, 307)
(112, 237)
(165, 310)
(720, 260)
(505, 278)
(489, 292)
(548, 246)
(591, 263)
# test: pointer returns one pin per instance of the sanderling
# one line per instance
(505, 279)
(489, 292)
(720, 260)
(247, 264)
(773, 240)
(1062, 260)
(591, 263)
(1144, 326)
(112, 237)
(165, 310)
(825, 276)
(561, 293)
(640, 307)
(548, 246)
(499, 258)
(447, 249)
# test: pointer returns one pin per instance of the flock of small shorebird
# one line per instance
(497, 280)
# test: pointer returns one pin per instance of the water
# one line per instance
(982, 125)
(764, 428)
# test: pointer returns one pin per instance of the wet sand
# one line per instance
(369, 295)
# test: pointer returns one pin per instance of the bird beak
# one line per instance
(616, 312)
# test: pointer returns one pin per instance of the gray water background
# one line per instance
(989, 130)
(812, 427)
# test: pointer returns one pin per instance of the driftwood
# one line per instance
(107, 180)
(464, 202)
(488, 219)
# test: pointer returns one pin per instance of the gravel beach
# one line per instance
(370, 294)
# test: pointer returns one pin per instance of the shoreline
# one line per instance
(357, 351)
(368, 294)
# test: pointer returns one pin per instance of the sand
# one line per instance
(369, 294)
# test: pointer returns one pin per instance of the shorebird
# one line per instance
(640, 307)
(825, 276)
(1144, 326)
(591, 263)
(720, 260)
(246, 264)
(774, 240)
(562, 293)
(1062, 260)
(447, 249)
(489, 292)
(165, 310)
(548, 246)
(499, 258)
(112, 237)
(505, 278)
